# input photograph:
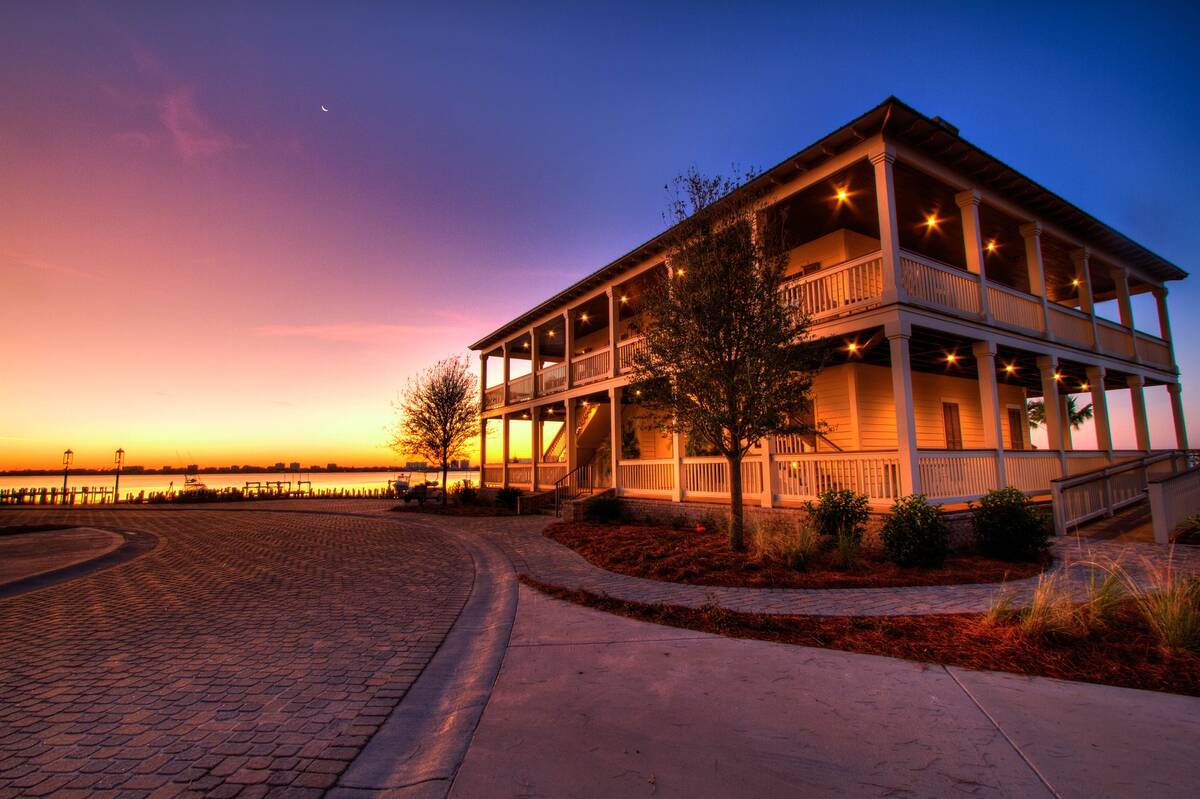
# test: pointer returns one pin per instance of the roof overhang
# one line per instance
(899, 123)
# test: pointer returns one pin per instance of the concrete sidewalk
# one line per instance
(593, 705)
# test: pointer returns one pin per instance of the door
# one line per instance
(953, 425)
(1016, 432)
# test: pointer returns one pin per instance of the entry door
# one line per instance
(953, 425)
(1016, 433)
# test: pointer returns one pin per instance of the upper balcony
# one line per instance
(925, 243)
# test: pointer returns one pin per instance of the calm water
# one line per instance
(339, 481)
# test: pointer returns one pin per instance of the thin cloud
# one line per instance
(41, 264)
(193, 135)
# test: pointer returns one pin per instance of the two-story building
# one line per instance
(954, 288)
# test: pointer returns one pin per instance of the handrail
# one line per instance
(1117, 468)
(796, 280)
(1103, 491)
(564, 483)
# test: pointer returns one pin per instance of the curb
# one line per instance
(417, 752)
(136, 544)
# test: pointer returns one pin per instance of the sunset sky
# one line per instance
(201, 265)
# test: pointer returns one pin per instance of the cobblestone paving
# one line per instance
(548, 561)
(249, 654)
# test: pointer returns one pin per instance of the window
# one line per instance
(1016, 425)
(953, 425)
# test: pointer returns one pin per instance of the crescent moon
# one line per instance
(326, 110)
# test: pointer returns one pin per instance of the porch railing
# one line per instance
(939, 285)
(651, 477)
(552, 379)
(710, 477)
(1173, 498)
(843, 289)
(492, 475)
(1102, 492)
(1114, 338)
(957, 476)
(1011, 307)
(1153, 349)
(520, 474)
(798, 478)
(627, 351)
(591, 367)
(1032, 471)
(1072, 325)
(520, 388)
(550, 473)
(493, 397)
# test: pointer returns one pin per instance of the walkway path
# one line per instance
(25, 555)
(594, 705)
(248, 652)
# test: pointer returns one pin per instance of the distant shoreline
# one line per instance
(220, 470)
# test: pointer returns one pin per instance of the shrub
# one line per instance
(1009, 527)
(840, 516)
(790, 542)
(464, 493)
(915, 533)
(507, 497)
(1170, 603)
(603, 509)
(678, 522)
(708, 524)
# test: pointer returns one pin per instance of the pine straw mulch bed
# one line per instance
(704, 558)
(454, 510)
(1125, 653)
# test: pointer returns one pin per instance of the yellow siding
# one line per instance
(831, 249)
(831, 405)
(876, 411)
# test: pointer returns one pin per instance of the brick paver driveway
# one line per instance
(249, 654)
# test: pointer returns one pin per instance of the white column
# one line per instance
(1095, 376)
(569, 435)
(568, 346)
(614, 332)
(482, 379)
(889, 231)
(968, 203)
(1181, 436)
(767, 448)
(483, 423)
(989, 403)
(1083, 281)
(1064, 415)
(505, 372)
(535, 444)
(1052, 408)
(504, 449)
(902, 396)
(1032, 233)
(1141, 422)
(614, 422)
(677, 458)
(1121, 279)
(1164, 320)
(534, 361)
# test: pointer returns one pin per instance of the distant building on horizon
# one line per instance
(294, 466)
(329, 467)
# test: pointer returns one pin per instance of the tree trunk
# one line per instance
(445, 487)
(737, 522)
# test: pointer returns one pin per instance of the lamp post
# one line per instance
(68, 456)
(118, 460)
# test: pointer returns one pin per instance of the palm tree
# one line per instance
(1077, 416)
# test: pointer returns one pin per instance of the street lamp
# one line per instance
(118, 460)
(68, 456)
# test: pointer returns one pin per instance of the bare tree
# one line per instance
(725, 359)
(438, 415)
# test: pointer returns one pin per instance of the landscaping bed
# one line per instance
(704, 558)
(1123, 652)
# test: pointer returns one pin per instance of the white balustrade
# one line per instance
(957, 476)
(805, 477)
(628, 350)
(1032, 472)
(1173, 498)
(1153, 349)
(710, 476)
(520, 388)
(493, 475)
(552, 379)
(842, 289)
(646, 476)
(1012, 307)
(939, 285)
(550, 473)
(520, 474)
(1114, 338)
(493, 397)
(1071, 325)
(591, 367)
